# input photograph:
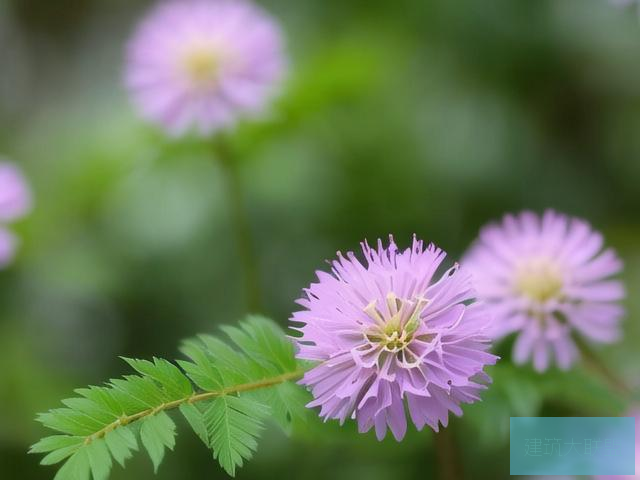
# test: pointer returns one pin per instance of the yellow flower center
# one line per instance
(393, 332)
(201, 65)
(540, 279)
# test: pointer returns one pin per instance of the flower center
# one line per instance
(394, 331)
(201, 65)
(540, 279)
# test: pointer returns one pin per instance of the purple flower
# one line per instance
(202, 64)
(388, 334)
(15, 202)
(546, 278)
(15, 197)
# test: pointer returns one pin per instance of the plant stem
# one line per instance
(447, 455)
(194, 398)
(595, 364)
(240, 224)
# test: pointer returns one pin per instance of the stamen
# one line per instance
(394, 333)
(393, 303)
(374, 314)
(414, 320)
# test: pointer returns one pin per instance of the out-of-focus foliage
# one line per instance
(399, 117)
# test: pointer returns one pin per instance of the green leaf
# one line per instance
(202, 372)
(137, 393)
(233, 366)
(172, 380)
(90, 409)
(99, 459)
(195, 418)
(287, 402)
(59, 446)
(265, 342)
(76, 468)
(233, 425)
(55, 442)
(59, 455)
(121, 442)
(69, 421)
(157, 432)
(103, 397)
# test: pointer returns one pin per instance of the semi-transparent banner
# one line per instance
(572, 446)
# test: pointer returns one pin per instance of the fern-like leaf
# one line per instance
(233, 426)
(225, 391)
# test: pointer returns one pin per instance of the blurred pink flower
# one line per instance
(389, 334)
(202, 64)
(15, 197)
(15, 202)
(546, 278)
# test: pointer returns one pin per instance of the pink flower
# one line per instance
(547, 278)
(15, 202)
(387, 334)
(202, 64)
(15, 197)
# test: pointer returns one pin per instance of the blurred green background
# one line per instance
(431, 117)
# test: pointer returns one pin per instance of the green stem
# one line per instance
(595, 364)
(240, 224)
(194, 398)
(447, 455)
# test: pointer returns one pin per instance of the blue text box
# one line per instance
(572, 446)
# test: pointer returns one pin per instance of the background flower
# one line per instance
(15, 197)
(388, 333)
(546, 278)
(202, 64)
(15, 202)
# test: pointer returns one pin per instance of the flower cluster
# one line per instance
(15, 202)
(202, 64)
(389, 333)
(547, 277)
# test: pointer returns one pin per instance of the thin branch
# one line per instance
(595, 364)
(240, 223)
(194, 398)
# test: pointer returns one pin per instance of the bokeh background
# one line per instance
(431, 117)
